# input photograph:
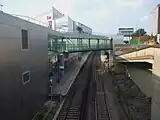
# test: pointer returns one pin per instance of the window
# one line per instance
(24, 39)
(25, 77)
(126, 29)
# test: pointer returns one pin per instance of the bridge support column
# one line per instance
(57, 58)
(81, 42)
(61, 64)
(89, 43)
(62, 45)
(111, 44)
(78, 43)
(56, 44)
(98, 43)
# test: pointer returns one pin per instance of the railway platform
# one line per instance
(63, 87)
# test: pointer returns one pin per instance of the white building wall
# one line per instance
(117, 39)
(85, 28)
(62, 24)
(155, 21)
(66, 24)
(70, 25)
(15, 96)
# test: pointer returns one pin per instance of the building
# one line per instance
(126, 32)
(85, 29)
(156, 20)
(23, 67)
(117, 39)
(66, 24)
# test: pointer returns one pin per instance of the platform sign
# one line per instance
(61, 57)
(61, 64)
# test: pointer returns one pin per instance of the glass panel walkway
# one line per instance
(75, 42)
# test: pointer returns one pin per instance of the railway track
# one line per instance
(101, 105)
(84, 101)
(75, 100)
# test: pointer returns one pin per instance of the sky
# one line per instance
(103, 16)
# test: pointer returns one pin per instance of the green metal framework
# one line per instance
(78, 43)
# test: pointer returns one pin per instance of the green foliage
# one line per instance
(152, 36)
(139, 32)
(126, 42)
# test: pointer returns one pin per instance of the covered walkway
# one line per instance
(75, 42)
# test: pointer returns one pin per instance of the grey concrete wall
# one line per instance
(156, 79)
(139, 53)
(18, 101)
(158, 19)
(149, 81)
(156, 65)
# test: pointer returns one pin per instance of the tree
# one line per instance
(139, 32)
(126, 42)
(152, 37)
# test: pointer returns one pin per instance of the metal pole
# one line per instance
(57, 65)
(62, 45)
(55, 24)
(81, 44)
(61, 64)
(98, 43)
(111, 43)
(89, 42)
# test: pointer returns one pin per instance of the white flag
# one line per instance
(56, 13)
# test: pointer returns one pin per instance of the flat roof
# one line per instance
(74, 35)
(24, 23)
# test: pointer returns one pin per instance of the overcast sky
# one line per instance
(103, 16)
